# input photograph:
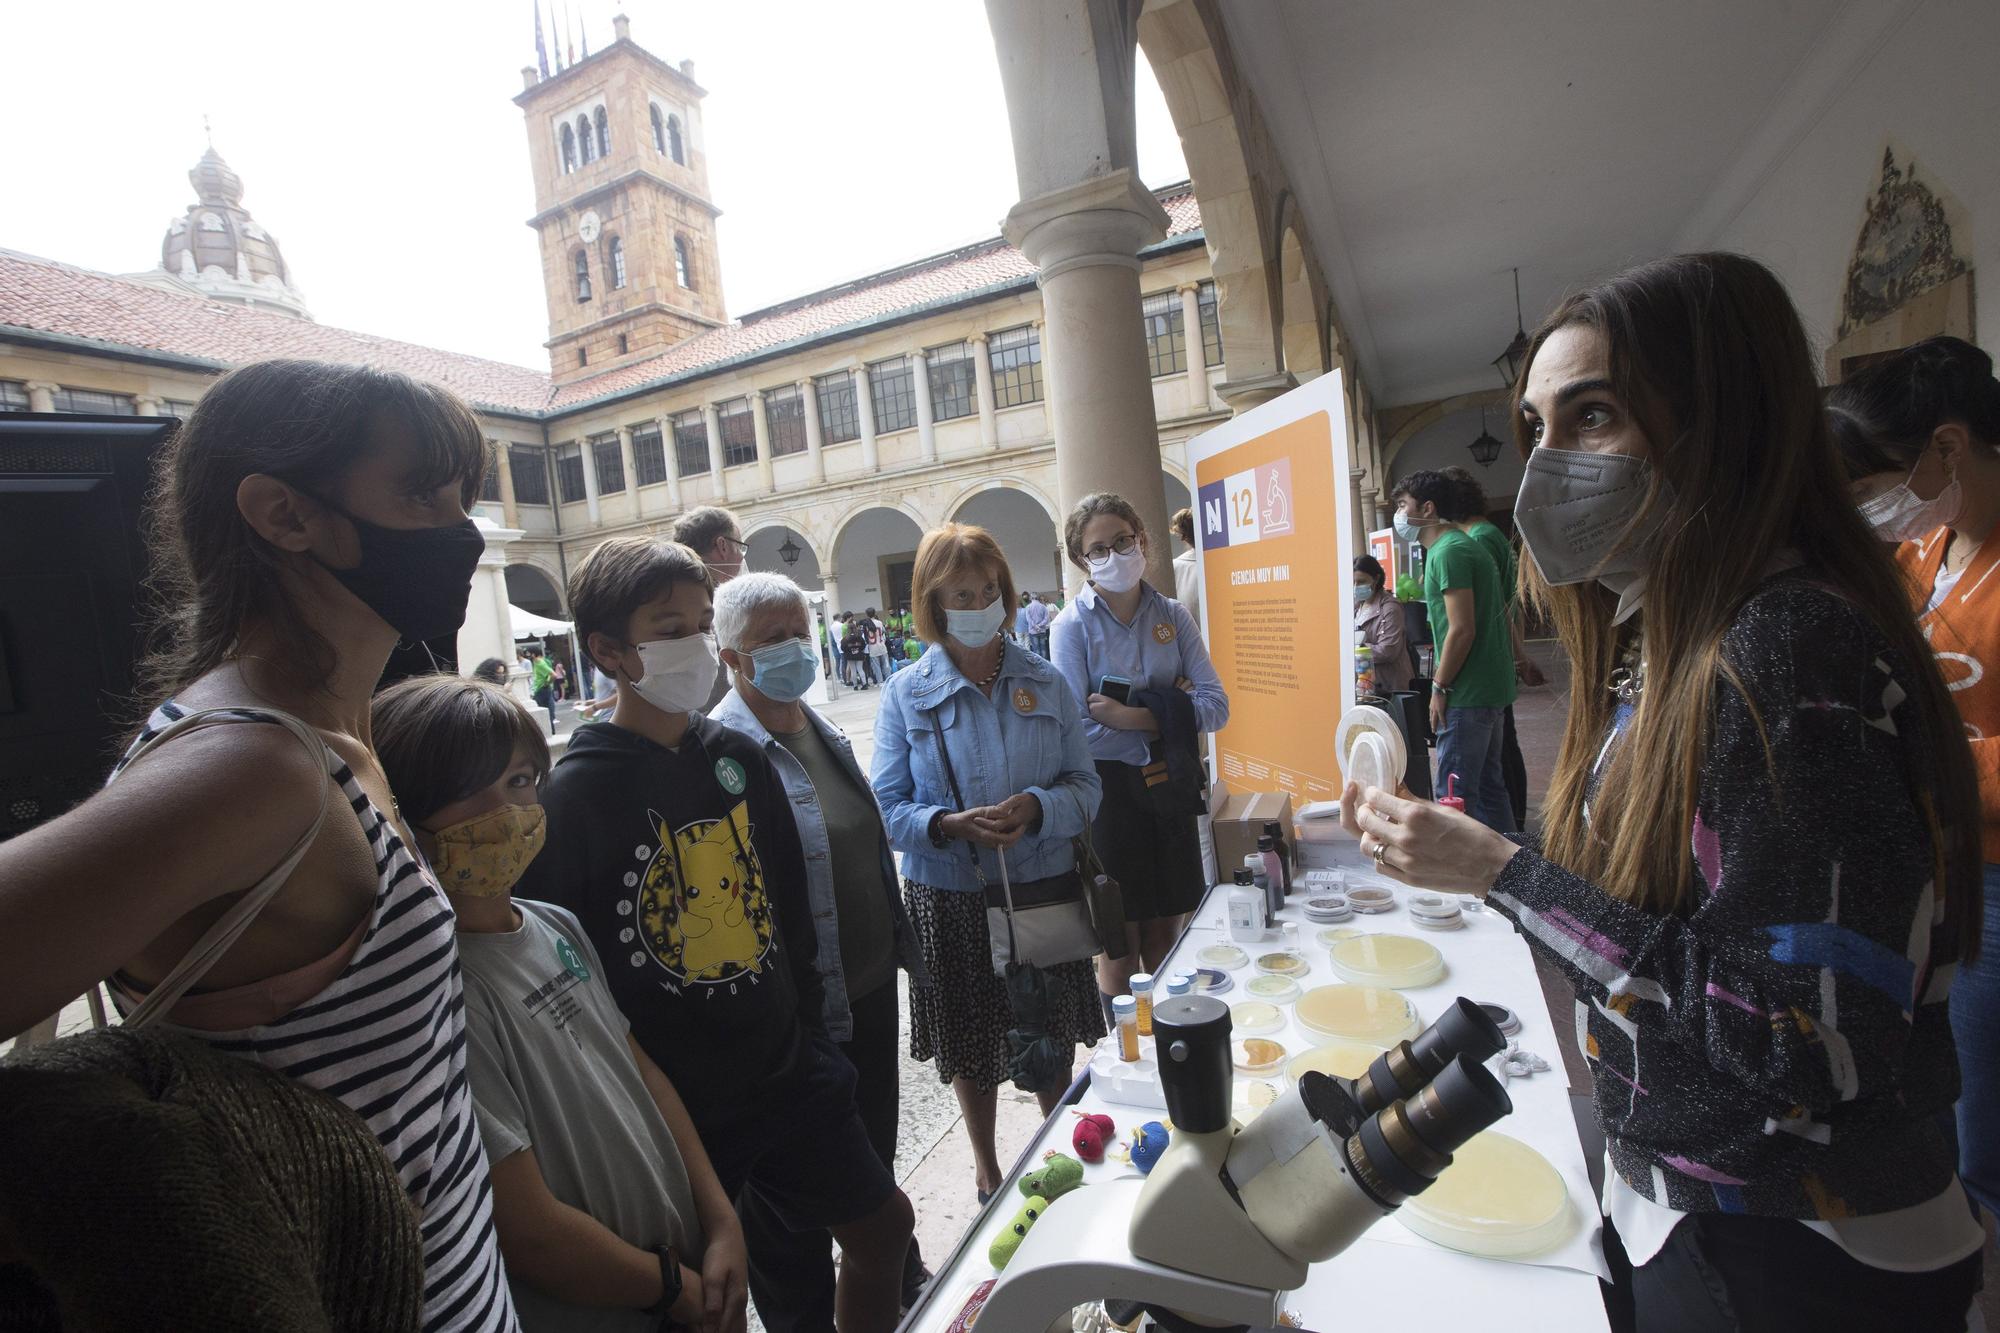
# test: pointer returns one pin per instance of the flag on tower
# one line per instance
(584, 28)
(541, 47)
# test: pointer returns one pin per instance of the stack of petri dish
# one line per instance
(1328, 908)
(1371, 898)
(1434, 911)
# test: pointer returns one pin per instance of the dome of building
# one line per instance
(218, 249)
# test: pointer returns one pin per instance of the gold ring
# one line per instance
(1381, 850)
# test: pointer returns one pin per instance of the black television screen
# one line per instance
(72, 564)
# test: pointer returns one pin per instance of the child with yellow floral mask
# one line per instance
(579, 1124)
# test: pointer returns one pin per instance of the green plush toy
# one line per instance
(1001, 1251)
(1058, 1175)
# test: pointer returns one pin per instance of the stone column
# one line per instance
(146, 405)
(588, 453)
(766, 481)
(672, 459)
(713, 425)
(1197, 368)
(487, 631)
(1242, 395)
(920, 377)
(982, 376)
(864, 406)
(815, 444)
(41, 395)
(1085, 239)
(510, 508)
(626, 459)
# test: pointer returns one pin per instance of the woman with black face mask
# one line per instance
(308, 518)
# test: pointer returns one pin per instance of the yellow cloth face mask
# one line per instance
(485, 856)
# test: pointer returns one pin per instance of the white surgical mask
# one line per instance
(1897, 515)
(975, 629)
(1118, 573)
(680, 673)
(1572, 513)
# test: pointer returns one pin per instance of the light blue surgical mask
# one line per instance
(1362, 592)
(784, 671)
(1407, 528)
(975, 629)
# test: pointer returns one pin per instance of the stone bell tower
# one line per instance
(627, 231)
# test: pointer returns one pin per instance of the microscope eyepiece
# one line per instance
(1404, 1146)
(1191, 1039)
(1403, 1070)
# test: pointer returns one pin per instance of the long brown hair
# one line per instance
(1709, 354)
(304, 422)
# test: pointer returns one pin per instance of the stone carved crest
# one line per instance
(1905, 247)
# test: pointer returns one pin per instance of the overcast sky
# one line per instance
(377, 141)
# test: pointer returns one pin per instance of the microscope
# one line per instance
(1229, 1218)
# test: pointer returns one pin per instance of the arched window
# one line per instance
(681, 262)
(603, 133)
(674, 149)
(617, 262)
(585, 139)
(583, 275)
(568, 149)
(659, 130)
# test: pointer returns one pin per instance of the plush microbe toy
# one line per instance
(1148, 1142)
(1093, 1133)
(1009, 1240)
(1058, 1174)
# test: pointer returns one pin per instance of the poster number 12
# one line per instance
(1246, 508)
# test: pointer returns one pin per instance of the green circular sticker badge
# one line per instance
(730, 774)
(569, 958)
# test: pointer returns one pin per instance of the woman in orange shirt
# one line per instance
(1920, 434)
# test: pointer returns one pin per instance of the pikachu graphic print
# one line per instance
(703, 912)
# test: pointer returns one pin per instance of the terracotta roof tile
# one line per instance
(62, 300)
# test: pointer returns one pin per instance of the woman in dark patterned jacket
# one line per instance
(1759, 859)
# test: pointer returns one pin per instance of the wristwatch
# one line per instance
(936, 830)
(670, 1284)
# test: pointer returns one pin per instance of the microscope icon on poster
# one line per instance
(1275, 513)
(1230, 1218)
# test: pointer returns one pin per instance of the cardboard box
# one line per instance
(1241, 819)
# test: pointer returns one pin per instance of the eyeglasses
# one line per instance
(742, 547)
(1123, 546)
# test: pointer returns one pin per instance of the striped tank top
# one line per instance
(387, 1038)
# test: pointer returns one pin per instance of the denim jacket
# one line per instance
(733, 713)
(1027, 738)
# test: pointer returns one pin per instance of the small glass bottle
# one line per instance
(1125, 1013)
(1274, 872)
(1142, 992)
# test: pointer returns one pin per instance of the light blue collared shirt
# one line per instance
(1160, 645)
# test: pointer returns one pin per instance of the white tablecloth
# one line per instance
(1391, 1278)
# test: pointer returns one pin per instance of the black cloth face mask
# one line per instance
(418, 580)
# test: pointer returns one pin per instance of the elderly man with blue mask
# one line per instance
(764, 628)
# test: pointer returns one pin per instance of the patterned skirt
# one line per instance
(960, 1019)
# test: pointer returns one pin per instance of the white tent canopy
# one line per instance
(528, 625)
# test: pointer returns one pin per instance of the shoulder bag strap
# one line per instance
(219, 937)
(1006, 888)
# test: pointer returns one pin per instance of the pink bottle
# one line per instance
(1454, 802)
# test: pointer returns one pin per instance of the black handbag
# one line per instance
(1041, 922)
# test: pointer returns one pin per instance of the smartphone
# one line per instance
(1115, 687)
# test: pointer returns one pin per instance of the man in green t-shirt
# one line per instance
(541, 683)
(1472, 680)
(1487, 533)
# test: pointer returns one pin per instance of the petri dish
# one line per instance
(1336, 934)
(1253, 1018)
(1212, 981)
(1369, 1015)
(1340, 1059)
(1498, 1198)
(1257, 1055)
(1222, 955)
(1276, 990)
(1371, 898)
(1328, 907)
(1436, 912)
(1283, 963)
(1395, 961)
(1253, 1098)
